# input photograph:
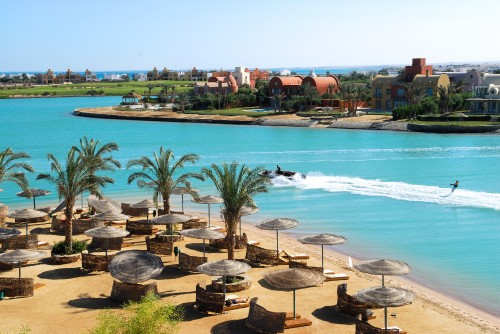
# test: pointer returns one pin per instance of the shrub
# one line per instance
(150, 315)
(60, 249)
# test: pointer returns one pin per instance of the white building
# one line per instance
(241, 76)
(140, 77)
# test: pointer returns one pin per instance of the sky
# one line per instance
(180, 34)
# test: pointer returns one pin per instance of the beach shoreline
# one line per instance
(427, 300)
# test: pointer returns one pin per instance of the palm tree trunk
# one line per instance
(68, 228)
(230, 248)
(166, 204)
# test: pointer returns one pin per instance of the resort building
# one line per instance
(471, 78)
(140, 77)
(90, 76)
(153, 75)
(388, 93)
(46, 79)
(217, 85)
(486, 96)
(323, 84)
(285, 85)
(69, 77)
(196, 75)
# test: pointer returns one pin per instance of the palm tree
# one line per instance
(444, 94)
(183, 99)
(72, 179)
(9, 168)
(90, 148)
(150, 88)
(237, 187)
(330, 91)
(172, 88)
(158, 174)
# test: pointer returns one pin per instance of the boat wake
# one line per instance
(396, 190)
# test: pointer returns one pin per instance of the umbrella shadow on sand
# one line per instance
(41, 230)
(172, 271)
(198, 246)
(62, 273)
(332, 315)
(94, 303)
(231, 326)
(191, 313)
(171, 293)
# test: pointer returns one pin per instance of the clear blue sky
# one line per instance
(137, 35)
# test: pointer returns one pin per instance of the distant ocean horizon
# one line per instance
(321, 70)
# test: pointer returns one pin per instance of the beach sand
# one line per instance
(72, 299)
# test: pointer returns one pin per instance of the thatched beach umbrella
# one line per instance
(135, 266)
(170, 219)
(383, 296)
(103, 205)
(292, 279)
(202, 233)
(209, 199)
(223, 268)
(6, 233)
(110, 216)
(182, 191)
(383, 267)
(106, 232)
(276, 225)
(246, 211)
(146, 204)
(34, 192)
(21, 255)
(26, 214)
(323, 239)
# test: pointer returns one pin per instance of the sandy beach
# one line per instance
(71, 299)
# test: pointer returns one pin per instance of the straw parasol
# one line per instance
(383, 267)
(135, 266)
(383, 296)
(182, 191)
(110, 216)
(26, 214)
(33, 192)
(202, 233)
(106, 232)
(170, 219)
(21, 255)
(6, 233)
(246, 211)
(209, 199)
(223, 268)
(292, 279)
(276, 225)
(146, 204)
(103, 205)
(323, 239)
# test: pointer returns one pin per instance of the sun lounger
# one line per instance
(363, 327)
(263, 321)
(351, 306)
(295, 256)
(253, 242)
(336, 277)
(262, 256)
(207, 301)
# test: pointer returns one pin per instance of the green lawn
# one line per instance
(109, 88)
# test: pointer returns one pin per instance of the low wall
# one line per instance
(452, 128)
(79, 225)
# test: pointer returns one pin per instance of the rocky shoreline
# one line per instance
(362, 122)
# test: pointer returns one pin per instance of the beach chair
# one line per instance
(294, 257)
(189, 263)
(351, 306)
(363, 327)
(207, 301)
(262, 256)
(263, 321)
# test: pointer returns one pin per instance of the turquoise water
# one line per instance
(386, 192)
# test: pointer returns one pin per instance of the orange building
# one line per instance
(322, 84)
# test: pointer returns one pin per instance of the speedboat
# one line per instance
(284, 173)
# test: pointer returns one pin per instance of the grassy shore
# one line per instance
(83, 89)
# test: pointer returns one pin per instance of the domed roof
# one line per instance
(232, 82)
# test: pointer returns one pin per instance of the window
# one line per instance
(388, 104)
(429, 92)
(378, 104)
(400, 92)
(399, 103)
(388, 91)
(378, 92)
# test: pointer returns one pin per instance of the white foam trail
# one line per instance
(396, 190)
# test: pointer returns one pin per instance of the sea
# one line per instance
(387, 192)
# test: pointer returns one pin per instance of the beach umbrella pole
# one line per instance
(34, 205)
(182, 199)
(383, 280)
(322, 263)
(203, 247)
(107, 247)
(240, 226)
(26, 222)
(208, 215)
(294, 304)
(385, 318)
(19, 271)
(224, 287)
(277, 250)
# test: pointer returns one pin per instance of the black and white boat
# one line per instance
(283, 173)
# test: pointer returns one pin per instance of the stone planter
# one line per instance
(244, 282)
(64, 259)
(124, 292)
(166, 237)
